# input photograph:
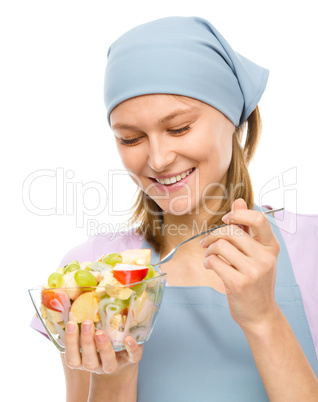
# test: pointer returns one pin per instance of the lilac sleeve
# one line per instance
(300, 233)
(91, 250)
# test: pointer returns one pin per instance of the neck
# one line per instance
(176, 229)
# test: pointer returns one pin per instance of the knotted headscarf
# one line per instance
(183, 56)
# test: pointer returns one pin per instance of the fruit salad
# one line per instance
(120, 293)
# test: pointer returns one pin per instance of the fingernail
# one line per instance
(70, 327)
(86, 327)
(131, 342)
(202, 242)
(100, 337)
(225, 218)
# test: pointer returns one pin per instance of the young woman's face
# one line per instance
(176, 149)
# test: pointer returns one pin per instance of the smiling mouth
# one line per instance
(174, 179)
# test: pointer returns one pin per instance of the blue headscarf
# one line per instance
(183, 56)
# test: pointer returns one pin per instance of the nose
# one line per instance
(161, 155)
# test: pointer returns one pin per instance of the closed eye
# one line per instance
(136, 140)
(179, 130)
(129, 142)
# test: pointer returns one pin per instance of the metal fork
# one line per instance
(173, 251)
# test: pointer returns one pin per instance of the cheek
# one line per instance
(226, 149)
(216, 153)
(213, 160)
(131, 158)
(221, 150)
(134, 160)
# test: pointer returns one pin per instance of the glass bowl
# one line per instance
(126, 310)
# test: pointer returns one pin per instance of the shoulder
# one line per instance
(95, 246)
(300, 233)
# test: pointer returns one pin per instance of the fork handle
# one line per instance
(173, 251)
(225, 224)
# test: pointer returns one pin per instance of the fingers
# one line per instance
(109, 359)
(106, 352)
(231, 254)
(236, 246)
(228, 274)
(87, 358)
(90, 359)
(238, 204)
(97, 354)
(133, 349)
(72, 352)
(234, 235)
(260, 225)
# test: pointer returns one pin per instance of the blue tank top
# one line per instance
(219, 365)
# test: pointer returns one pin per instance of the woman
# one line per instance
(178, 99)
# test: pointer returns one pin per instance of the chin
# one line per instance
(177, 208)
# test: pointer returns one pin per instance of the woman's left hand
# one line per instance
(246, 261)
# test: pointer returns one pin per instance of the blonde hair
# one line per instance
(147, 213)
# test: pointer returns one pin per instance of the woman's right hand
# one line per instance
(97, 354)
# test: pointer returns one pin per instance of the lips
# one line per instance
(174, 186)
(167, 176)
(171, 179)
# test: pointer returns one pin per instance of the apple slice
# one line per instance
(139, 256)
(54, 316)
(116, 290)
(142, 308)
(85, 307)
(100, 289)
(72, 287)
(56, 300)
(129, 273)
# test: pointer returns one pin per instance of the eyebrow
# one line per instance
(172, 115)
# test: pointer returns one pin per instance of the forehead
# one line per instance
(156, 106)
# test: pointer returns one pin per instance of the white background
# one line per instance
(53, 120)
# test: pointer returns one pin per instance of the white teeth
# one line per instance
(174, 179)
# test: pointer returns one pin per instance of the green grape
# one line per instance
(113, 259)
(100, 266)
(85, 278)
(122, 304)
(55, 280)
(72, 266)
(139, 288)
(151, 272)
